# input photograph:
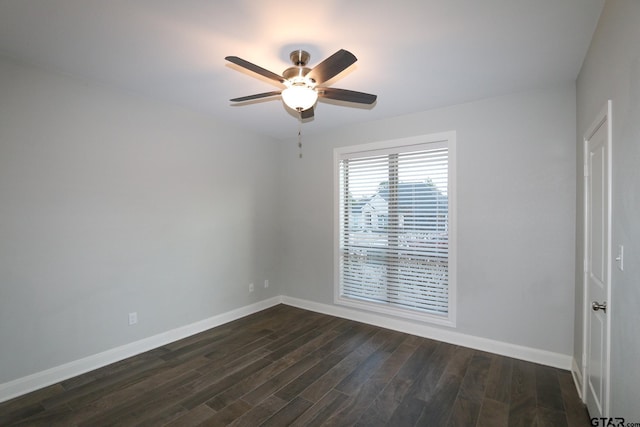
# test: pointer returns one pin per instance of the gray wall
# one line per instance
(109, 204)
(516, 212)
(611, 70)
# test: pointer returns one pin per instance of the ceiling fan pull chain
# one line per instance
(300, 137)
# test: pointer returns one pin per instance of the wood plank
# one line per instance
(297, 329)
(281, 350)
(465, 412)
(475, 379)
(140, 406)
(217, 369)
(359, 401)
(434, 367)
(358, 376)
(15, 411)
(289, 413)
(202, 394)
(323, 344)
(389, 399)
(437, 411)
(406, 413)
(146, 359)
(322, 410)
(382, 408)
(499, 379)
(87, 406)
(260, 413)
(93, 390)
(493, 413)
(355, 351)
(523, 406)
(298, 385)
(575, 410)
(229, 414)
(195, 416)
(303, 361)
(550, 417)
(379, 381)
(548, 391)
(278, 381)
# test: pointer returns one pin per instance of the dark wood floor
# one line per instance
(286, 366)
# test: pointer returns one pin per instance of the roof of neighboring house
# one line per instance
(413, 193)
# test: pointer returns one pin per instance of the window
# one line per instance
(395, 227)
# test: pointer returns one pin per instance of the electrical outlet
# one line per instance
(250, 287)
(133, 318)
(266, 283)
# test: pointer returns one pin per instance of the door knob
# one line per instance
(597, 306)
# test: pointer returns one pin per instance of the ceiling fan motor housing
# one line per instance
(296, 73)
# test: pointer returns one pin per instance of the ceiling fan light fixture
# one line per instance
(299, 97)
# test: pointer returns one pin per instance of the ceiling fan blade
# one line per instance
(346, 95)
(256, 96)
(255, 68)
(306, 114)
(332, 66)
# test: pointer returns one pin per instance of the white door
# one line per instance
(598, 262)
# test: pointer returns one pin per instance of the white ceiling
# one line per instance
(414, 54)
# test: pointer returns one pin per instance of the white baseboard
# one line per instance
(38, 380)
(576, 373)
(56, 374)
(543, 357)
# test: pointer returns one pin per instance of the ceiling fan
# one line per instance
(303, 85)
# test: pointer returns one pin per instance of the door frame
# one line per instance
(603, 116)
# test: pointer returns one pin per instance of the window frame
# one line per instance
(385, 147)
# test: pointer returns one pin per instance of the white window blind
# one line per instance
(393, 235)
